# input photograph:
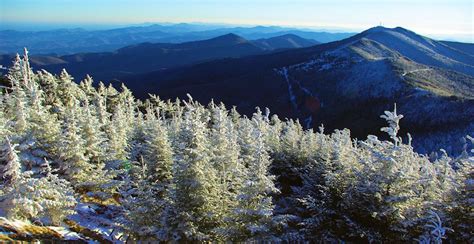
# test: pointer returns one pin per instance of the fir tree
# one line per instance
(196, 182)
(17, 107)
(68, 90)
(253, 216)
(118, 133)
(148, 201)
(94, 137)
(72, 151)
(158, 152)
(225, 158)
(4, 122)
(45, 127)
(11, 170)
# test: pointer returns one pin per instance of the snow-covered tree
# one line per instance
(17, 107)
(158, 152)
(141, 205)
(74, 163)
(15, 71)
(196, 194)
(393, 120)
(4, 122)
(118, 133)
(460, 200)
(225, 153)
(195, 173)
(45, 126)
(100, 102)
(94, 137)
(67, 91)
(147, 200)
(11, 168)
(252, 217)
(48, 199)
(72, 154)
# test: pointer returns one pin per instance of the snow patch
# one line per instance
(284, 72)
(308, 121)
(325, 67)
(67, 234)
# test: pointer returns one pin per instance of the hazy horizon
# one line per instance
(439, 19)
(467, 38)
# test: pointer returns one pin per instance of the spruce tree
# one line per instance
(225, 158)
(15, 71)
(100, 104)
(4, 122)
(196, 181)
(11, 167)
(147, 201)
(48, 199)
(18, 109)
(158, 152)
(253, 215)
(71, 148)
(45, 126)
(67, 89)
(94, 137)
(117, 136)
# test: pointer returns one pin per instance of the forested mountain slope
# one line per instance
(148, 57)
(344, 84)
(95, 164)
(70, 41)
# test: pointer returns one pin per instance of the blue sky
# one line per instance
(451, 17)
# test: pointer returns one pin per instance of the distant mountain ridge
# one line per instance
(422, 49)
(341, 84)
(346, 83)
(147, 57)
(464, 47)
(70, 41)
(284, 41)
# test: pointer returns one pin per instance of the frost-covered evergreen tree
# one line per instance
(11, 168)
(225, 159)
(15, 71)
(4, 122)
(252, 217)
(393, 120)
(74, 163)
(67, 90)
(100, 102)
(48, 199)
(158, 152)
(459, 210)
(18, 108)
(118, 134)
(196, 194)
(73, 160)
(148, 201)
(94, 137)
(45, 127)
(140, 217)
(195, 173)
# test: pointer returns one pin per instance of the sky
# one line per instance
(435, 17)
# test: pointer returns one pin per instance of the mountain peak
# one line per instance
(383, 29)
(229, 38)
(289, 35)
(379, 28)
(416, 47)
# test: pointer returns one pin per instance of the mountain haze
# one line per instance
(78, 40)
(147, 57)
(347, 83)
(284, 41)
